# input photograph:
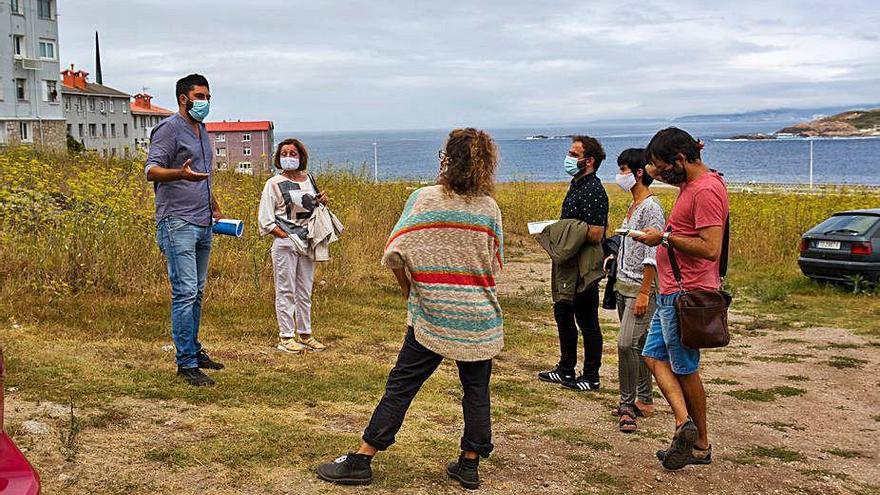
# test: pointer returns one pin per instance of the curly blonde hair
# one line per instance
(469, 166)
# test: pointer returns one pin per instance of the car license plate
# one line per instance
(828, 244)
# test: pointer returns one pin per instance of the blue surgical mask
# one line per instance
(199, 109)
(571, 165)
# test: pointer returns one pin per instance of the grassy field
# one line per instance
(84, 301)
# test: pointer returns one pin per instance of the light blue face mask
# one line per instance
(199, 109)
(571, 165)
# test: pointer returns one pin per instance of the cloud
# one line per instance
(312, 65)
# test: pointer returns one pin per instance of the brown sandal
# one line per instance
(626, 422)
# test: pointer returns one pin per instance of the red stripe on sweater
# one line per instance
(454, 279)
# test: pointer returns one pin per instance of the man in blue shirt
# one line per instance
(180, 166)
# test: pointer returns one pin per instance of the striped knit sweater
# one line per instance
(452, 248)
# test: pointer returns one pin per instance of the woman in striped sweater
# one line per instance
(445, 252)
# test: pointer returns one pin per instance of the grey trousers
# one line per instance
(635, 379)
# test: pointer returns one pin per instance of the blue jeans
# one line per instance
(187, 248)
(663, 342)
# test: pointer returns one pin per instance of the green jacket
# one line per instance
(577, 264)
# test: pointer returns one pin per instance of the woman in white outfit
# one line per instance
(286, 205)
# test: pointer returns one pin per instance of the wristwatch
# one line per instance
(665, 239)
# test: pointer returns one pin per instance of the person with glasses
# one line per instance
(444, 252)
(180, 166)
(587, 202)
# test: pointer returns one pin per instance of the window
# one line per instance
(112, 130)
(135, 119)
(103, 130)
(81, 133)
(246, 151)
(24, 131)
(102, 106)
(91, 103)
(244, 167)
(67, 105)
(221, 151)
(93, 130)
(18, 46)
(69, 129)
(50, 91)
(15, 6)
(47, 49)
(125, 107)
(852, 225)
(246, 136)
(77, 105)
(44, 9)
(125, 134)
(112, 107)
(221, 138)
(21, 89)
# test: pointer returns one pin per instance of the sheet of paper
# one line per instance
(537, 227)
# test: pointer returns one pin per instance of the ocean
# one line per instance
(412, 155)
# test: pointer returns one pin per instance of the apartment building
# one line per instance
(145, 115)
(30, 93)
(97, 115)
(244, 147)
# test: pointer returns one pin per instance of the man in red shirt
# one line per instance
(695, 231)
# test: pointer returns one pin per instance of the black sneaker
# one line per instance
(680, 451)
(698, 456)
(556, 375)
(465, 471)
(195, 377)
(581, 383)
(351, 469)
(207, 363)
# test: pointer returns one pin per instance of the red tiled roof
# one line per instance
(239, 126)
(153, 110)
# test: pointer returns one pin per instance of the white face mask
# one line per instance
(625, 181)
(289, 163)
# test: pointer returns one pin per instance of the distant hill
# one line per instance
(852, 123)
(773, 115)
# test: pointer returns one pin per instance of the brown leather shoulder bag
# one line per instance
(702, 314)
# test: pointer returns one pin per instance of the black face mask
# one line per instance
(673, 176)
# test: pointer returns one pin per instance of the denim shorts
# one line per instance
(664, 340)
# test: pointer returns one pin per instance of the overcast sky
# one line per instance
(326, 65)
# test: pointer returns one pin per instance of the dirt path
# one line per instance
(792, 411)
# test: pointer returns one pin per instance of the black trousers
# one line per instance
(581, 313)
(415, 364)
